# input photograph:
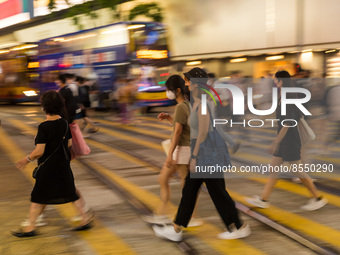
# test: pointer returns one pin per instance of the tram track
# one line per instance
(294, 235)
(138, 206)
(320, 186)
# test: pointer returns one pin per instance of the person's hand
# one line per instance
(163, 116)
(192, 165)
(169, 162)
(274, 147)
(22, 163)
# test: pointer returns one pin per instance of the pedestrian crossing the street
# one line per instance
(129, 158)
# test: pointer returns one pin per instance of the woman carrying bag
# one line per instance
(287, 147)
(178, 155)
(200, 127)
(54, 178)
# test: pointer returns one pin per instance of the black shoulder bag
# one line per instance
(35, 171)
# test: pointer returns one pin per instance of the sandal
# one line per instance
(21, 233)
(84, 227)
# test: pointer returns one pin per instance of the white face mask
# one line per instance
(170, 94)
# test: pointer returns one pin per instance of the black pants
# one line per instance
(223, 202)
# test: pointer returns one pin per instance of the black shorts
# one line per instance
(288, 152)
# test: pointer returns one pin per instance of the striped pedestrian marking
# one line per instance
(294, 221)
(134, 129)
(207, 232)
(301, 191)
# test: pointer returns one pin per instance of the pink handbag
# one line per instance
(79, 146)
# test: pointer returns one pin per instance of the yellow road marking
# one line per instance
(300, 190)
(168, 127)
(148, 118)
(207, 232)
(329, 160)
(314, 228)
(302, 224)
(135, 140)
(256, 145)
(121, 154)
(134, 129)
(263, 137)
(102, 240)
(155, 123)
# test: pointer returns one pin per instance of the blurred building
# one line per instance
(255, 37)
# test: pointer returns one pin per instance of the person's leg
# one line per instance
(163, 180)
(86, 219)
(185, 210)
(82, 201)
(268, 187)
(306, 180)
(188, 202)
(35, 211)
(90, 122)
(223, 202)
(182, 171)
(123, 113)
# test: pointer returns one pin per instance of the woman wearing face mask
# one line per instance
(200, 126)
(287, 147)
(179, 152)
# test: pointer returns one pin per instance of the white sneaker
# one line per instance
(243, 232)
(258, 202)
(157, 219)
(314, 204)
(195, 223)
(168, 232)
(40, 222)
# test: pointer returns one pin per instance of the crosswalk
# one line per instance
(137, 149)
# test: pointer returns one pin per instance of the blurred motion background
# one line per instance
(114, 43)
(121, 52)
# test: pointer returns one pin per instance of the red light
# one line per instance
(64, 65)
(164, 74)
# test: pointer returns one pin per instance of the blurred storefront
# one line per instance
(241, 35)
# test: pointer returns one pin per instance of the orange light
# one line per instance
(152, 54)
(33, 65)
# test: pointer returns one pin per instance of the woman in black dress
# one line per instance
(54, 180)
(287, 147)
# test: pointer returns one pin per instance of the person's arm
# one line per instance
(166, 116)
(174, 142)
(203, 129)
(275, 145)
(35, 154)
